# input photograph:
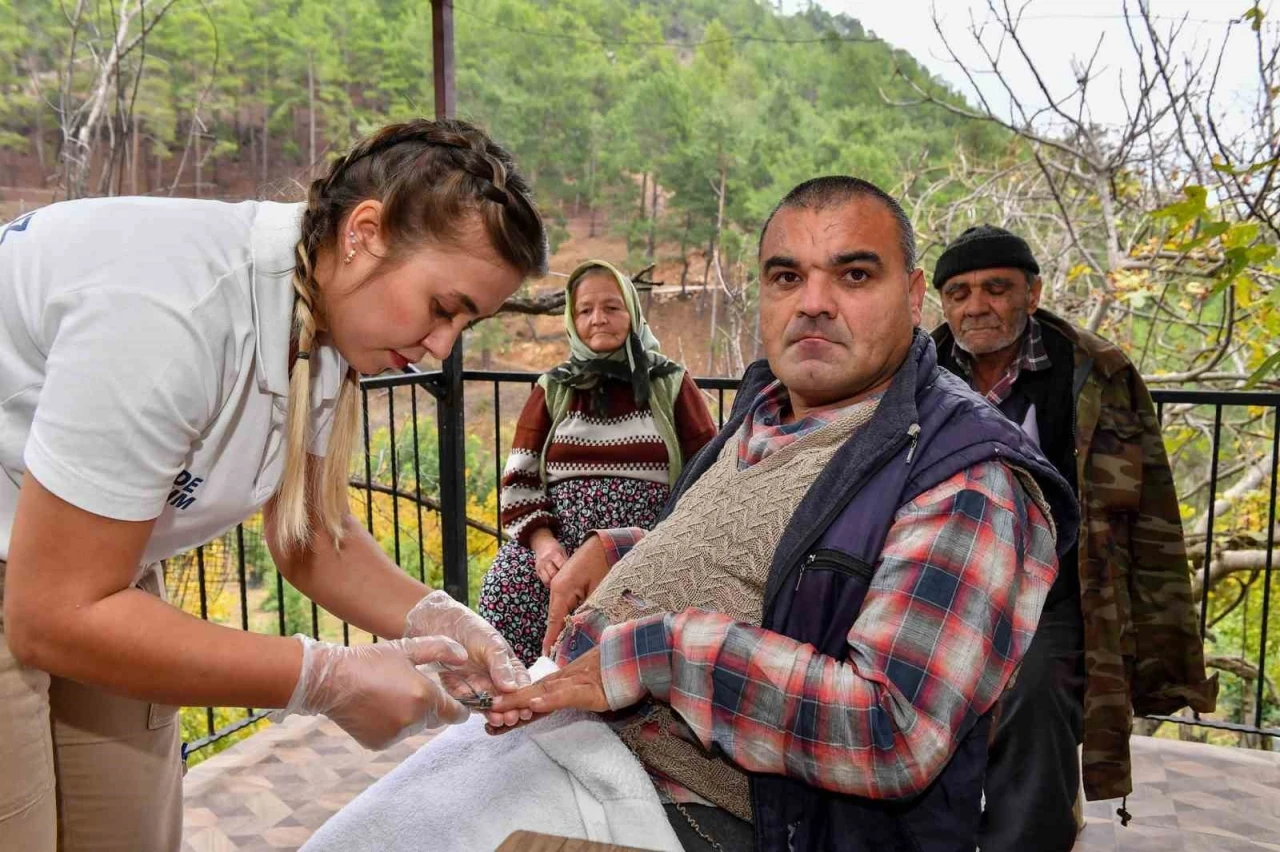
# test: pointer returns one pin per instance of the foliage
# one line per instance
(598, 98)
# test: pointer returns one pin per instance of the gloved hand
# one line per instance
(373, 692)
(492, 667)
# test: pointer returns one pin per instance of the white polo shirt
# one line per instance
(144, 361)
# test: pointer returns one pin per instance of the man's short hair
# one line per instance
(831, 190)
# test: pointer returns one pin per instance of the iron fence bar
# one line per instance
(1266, 582)
(1216, 724)
(196, 745)
(244, 591)
(1208, 530)
(1215, 397)
(422, 378)
(429, 377)
(284, 627)
(368, 462)
(1162, 396)
(395, 471)
(417, 482)
(453, 485)
(204, 614)
(497, 459)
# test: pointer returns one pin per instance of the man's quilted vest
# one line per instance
(928, 427)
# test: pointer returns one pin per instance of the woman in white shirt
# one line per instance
(167, 368)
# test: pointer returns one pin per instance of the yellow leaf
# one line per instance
(1244, 291)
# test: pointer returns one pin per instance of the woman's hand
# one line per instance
(549, 556)
(374, 692)
(490, 665)
(575, 581)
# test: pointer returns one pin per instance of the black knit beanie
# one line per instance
(984, 247)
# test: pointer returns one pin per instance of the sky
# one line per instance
(1056, 32)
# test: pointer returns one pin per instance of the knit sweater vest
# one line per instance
(713, 552)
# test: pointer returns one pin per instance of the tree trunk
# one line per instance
(39, 140)
(136, 147)
(1114, 253)
(644, 190)
(81, 138)
(706, 274)
(591, 191)
(653, 221)
(266, 133)
(311, 114)
(199, 161)
(715, 258)
(684, 254)
(755, 348)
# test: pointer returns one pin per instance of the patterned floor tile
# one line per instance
(274, 790)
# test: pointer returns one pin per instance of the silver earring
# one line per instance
(351, 236)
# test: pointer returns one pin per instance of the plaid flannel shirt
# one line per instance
(950, 612)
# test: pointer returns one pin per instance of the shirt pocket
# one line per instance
(1114, 481)
(829, 594)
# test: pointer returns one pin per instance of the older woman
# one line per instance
(598, 445)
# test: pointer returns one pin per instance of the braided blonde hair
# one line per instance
(432, 177)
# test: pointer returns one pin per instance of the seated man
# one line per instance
(845, 579)
(1037, 367)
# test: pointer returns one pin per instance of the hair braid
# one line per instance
(431, 176)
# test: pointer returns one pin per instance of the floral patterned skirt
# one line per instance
(513, 599)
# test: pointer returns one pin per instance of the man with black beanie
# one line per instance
(1119, 634)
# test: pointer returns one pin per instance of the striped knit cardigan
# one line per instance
(622, 441)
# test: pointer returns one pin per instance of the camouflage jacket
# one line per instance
(1143, 652)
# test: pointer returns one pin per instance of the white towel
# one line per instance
(567, 775)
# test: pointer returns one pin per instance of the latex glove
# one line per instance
(373, 692)
(492, 666)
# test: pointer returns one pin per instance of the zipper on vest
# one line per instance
(828, 559)
(823, 522)
(913, 432)
(808, 560)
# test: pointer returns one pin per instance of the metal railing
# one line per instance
(418, 509)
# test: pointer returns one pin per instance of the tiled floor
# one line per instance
(273, 790)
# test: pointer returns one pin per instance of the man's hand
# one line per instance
(549, 555)
(577, 685)
(575, 580)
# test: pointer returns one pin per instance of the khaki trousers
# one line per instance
(82, 769)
